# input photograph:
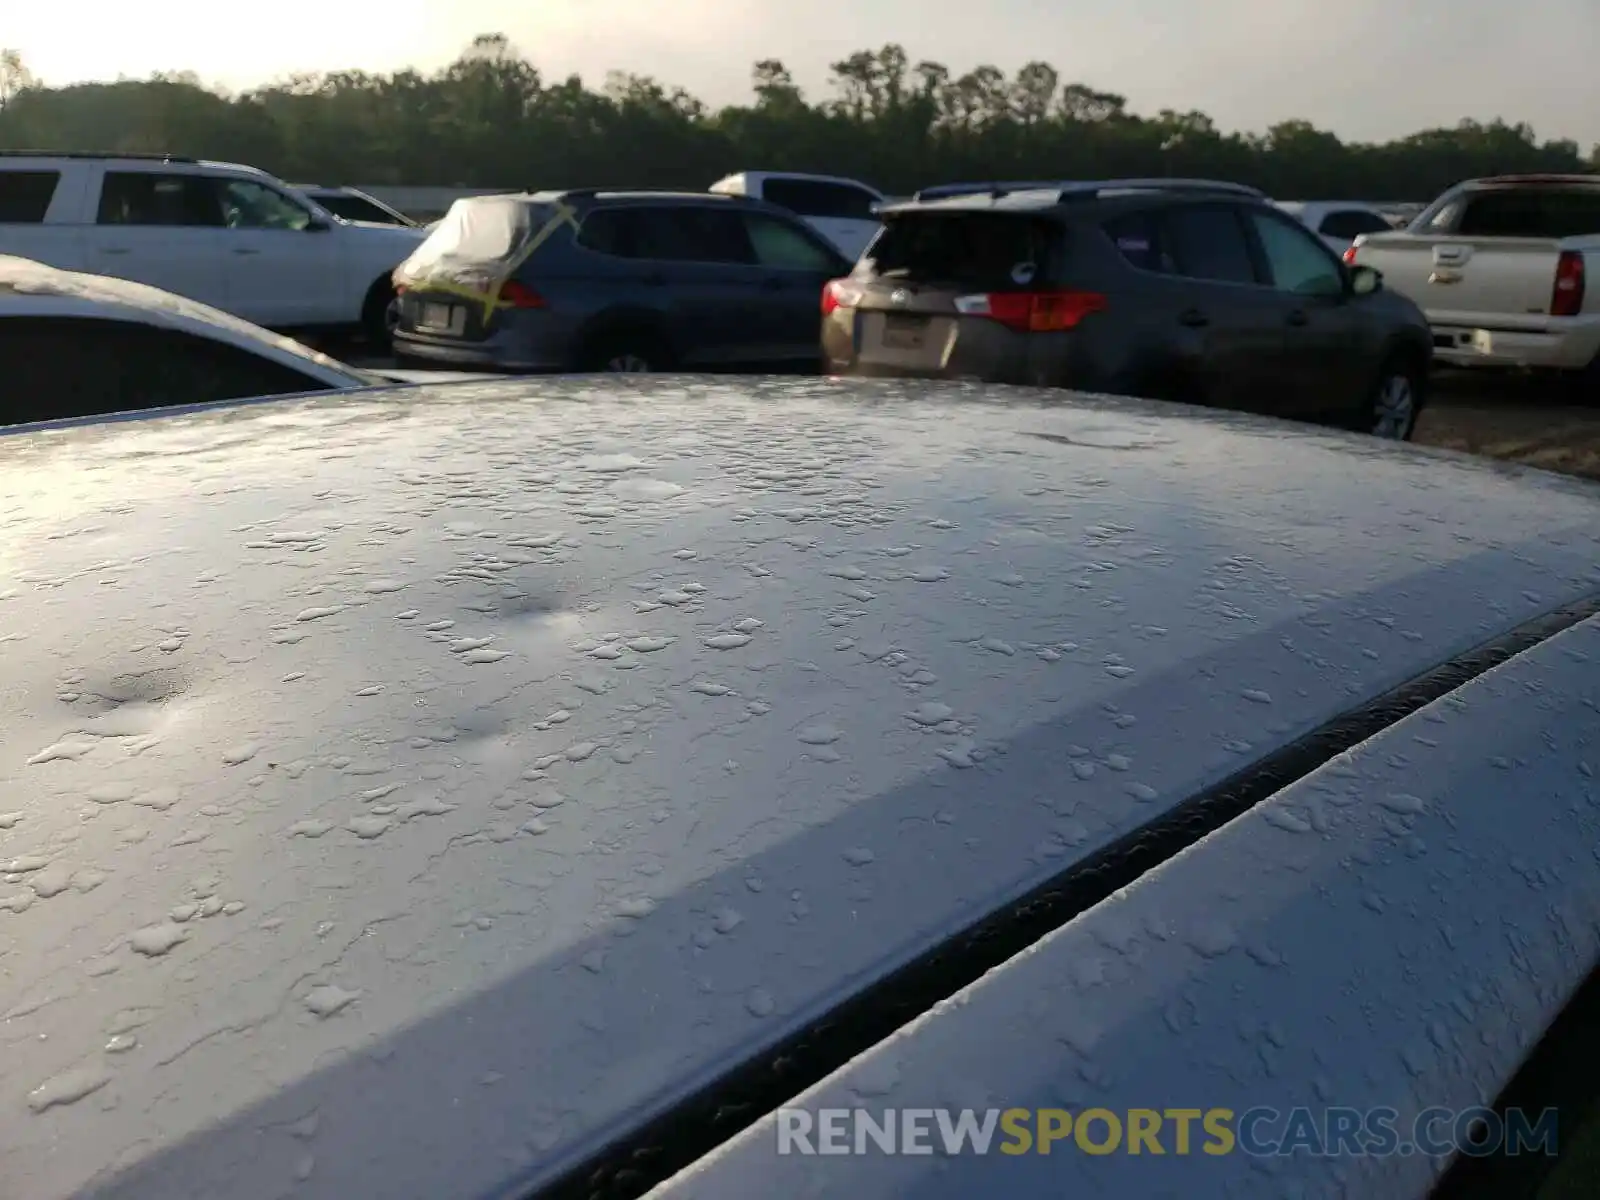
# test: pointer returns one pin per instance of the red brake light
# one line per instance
(1567, 298)
(839, 293)
(1033, 312)
(519, 295)
(1350, 255)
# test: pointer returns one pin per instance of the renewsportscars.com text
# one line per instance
(1260, 1131)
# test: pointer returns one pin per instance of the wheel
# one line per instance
(1396, 400)
(626, 353)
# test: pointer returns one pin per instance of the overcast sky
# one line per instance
(1367, 69)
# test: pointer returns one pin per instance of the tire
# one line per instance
(625, 352)
(1396, 399)
(379, 316)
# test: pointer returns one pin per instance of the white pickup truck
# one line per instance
(1501, 266)
(226, 235)
(845, 211)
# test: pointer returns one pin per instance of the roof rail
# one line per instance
(143, 157)
(1087, 189)
(1540, 177)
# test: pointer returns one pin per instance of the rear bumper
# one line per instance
(487, 356)
(1563, 344)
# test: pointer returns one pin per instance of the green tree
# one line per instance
(493, 119)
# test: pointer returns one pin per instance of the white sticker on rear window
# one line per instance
(1133, 245)
(1022, 274)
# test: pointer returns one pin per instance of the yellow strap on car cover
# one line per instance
(489, 298)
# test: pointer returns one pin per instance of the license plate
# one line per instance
(442, 318)
(904, 333)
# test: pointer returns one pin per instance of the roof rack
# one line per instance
(679, 193)
(1087, 189)
(174, 158)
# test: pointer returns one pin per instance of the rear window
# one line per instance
(1532, 213)
(989, 251)
(25, 196)
(484, 230)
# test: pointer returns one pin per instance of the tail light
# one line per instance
(1567, 298)
(1033, 312)
(519, 295)
(1350, 255)
(839, 293)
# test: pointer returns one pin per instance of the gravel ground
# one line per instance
(1498, 415)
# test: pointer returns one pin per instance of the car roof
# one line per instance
(424, 790)
(1249, 974)
(34, 289)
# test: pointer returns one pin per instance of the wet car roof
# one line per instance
(409, 793)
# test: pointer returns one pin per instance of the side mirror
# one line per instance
(1364, 280)
(317, 225)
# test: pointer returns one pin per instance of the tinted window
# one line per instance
(1352, 223)
(58, 367)
(249, 205)
(354, 208)
(147, 198)
(1209, 243)
(812, 199)
(783, 245)
(1137, 237)
(25, 195)
(1533, 213)
(1297, 261)
(983, 251)
(682, 233)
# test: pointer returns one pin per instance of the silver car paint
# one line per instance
(408, 792)
(1393, 931)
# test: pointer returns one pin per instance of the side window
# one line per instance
(149, 198)
(250, 205)
(25, 196)
(812, 198)
(780, 245)
(1351, 223)
(1208, 242)
(1298, 262)
(1137, 237)
(691, 233)
(609, 231)
(58, 367)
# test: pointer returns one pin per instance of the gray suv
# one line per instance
(1183, 290)
(615, 281)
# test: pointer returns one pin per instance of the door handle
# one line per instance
(1298, 317)
(245, 250)
(113, 250)
(1193, 318)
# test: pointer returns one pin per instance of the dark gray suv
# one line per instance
(615, 281)
(1189, 291)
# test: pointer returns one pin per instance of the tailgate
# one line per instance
(1465, 278)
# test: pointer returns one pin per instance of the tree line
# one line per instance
(493, 119)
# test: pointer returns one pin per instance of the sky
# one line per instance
(1366, 69)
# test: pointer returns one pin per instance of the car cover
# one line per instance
(480, 243)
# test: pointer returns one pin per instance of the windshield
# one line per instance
(23, 276)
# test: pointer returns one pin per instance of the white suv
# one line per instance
(227, 235)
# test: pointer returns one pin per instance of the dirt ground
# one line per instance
(1526, 421)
